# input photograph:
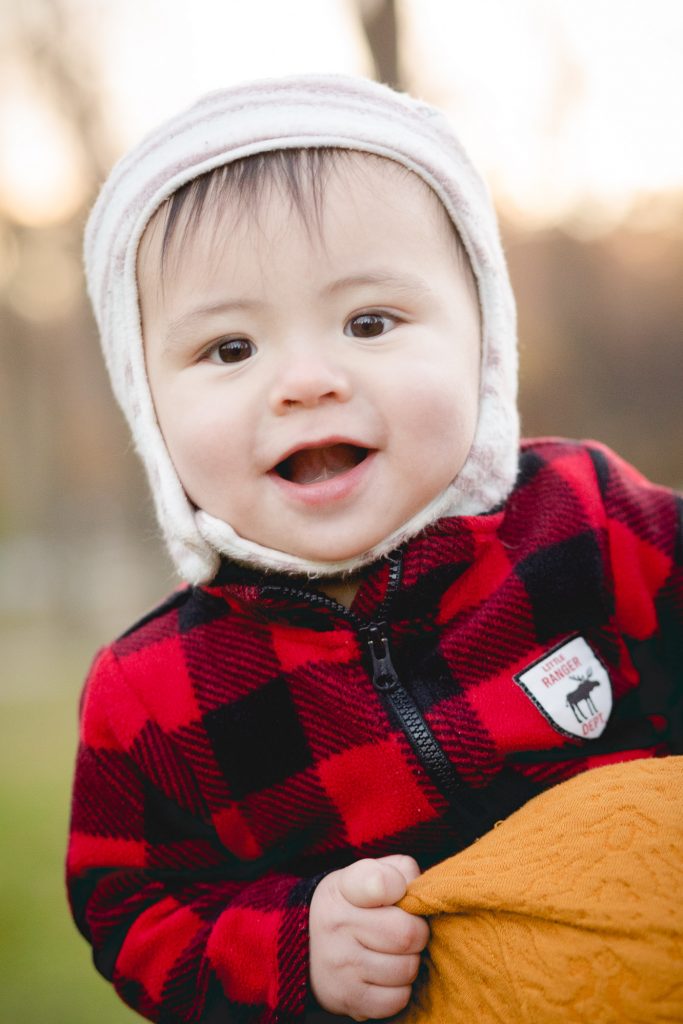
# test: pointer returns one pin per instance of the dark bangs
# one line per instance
(297, 174)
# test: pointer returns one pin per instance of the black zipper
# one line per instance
(386, 681)
(385, 678)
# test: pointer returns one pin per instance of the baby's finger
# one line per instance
(408, 866)
(378, 1002)
(390, 971)
(371, 883)
(392, 930)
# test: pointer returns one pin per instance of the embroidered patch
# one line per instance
(570, 686)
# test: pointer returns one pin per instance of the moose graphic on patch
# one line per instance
(570, 686)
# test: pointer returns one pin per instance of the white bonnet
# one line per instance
(298, 111)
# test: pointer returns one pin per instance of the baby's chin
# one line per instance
(323, 557)
(322, 546)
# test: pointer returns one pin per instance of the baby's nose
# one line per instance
(305, 379)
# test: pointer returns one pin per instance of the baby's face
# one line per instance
(316, 388)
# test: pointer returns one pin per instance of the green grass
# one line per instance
(46, 972)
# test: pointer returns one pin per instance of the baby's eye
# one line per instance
(369, 325)
(232, 350)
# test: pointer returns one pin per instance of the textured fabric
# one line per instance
(570, 911)
(233, 746)
(301, 111)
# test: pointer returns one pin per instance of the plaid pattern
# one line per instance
(233, 747)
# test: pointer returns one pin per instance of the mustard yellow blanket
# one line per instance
(571, 910)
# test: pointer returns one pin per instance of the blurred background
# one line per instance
(573, 113)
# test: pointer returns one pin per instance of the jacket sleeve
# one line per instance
(644, 525)
(185, 929)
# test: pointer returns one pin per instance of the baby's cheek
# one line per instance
(200, 458)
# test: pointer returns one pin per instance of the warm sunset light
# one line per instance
(571, 109)
(568, 108)
(40, 179)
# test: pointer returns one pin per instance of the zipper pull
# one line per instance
(384, 675)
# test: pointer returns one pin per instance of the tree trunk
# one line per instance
(380, 25)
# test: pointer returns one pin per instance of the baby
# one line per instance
(398, 624)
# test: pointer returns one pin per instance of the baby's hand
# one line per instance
(365, 952)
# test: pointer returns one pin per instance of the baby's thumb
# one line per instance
(408, 866)
(372, 883)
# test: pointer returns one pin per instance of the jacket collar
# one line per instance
(448, 547)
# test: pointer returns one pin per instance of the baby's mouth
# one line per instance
(313, 465)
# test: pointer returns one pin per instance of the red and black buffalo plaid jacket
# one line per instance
(247, 737)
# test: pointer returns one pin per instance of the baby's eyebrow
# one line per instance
(401, 282)
(179, 324)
